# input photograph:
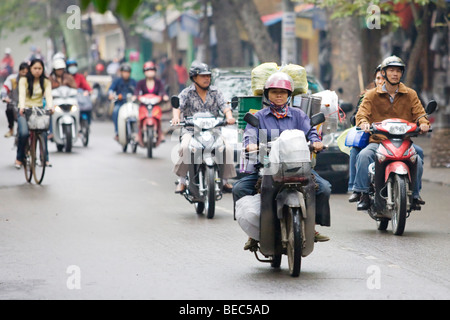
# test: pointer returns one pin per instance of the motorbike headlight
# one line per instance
(58, 109)
(74, 108)
(398, 128)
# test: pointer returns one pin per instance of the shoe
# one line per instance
(355, 196)
(18, 164)
(419, 201)
(251, 245)
(364, 202)
(416, 204)
(320, 237)
(48, 164)
(227, 187)
(10, 133)
(181, 187)
(116, 138)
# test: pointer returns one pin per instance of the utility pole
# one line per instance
(288, 39)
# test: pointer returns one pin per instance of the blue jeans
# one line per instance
(115, 116)
(368, 155)
(352, 165)
(24, 133)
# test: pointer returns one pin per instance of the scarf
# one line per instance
(279, 111)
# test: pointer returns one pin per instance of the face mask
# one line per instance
(72, 69)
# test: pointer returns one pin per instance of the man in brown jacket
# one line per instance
(392, 100)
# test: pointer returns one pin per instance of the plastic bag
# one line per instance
(248, 212)
(38, 119)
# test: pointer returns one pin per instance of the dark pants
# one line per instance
(11, 115)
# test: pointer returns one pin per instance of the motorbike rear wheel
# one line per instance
(210, 199)
(294, 240)
(399, 209)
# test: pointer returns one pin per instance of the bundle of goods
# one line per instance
(261, 73)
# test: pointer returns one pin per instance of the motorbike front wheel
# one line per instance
(399, 209)
(149, 142)
(67, 129)
(294, 240)
(84, 132)
(210, 197)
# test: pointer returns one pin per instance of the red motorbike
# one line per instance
(150, 113)
(393, 174)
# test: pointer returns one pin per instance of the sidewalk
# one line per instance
(436, 175)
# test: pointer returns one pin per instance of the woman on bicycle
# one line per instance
(33, 88)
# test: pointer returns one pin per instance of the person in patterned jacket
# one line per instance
(200, 96)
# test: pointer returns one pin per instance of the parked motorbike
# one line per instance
(288, 213)
(393, 174)
(149, 125)
(204, 179)
(66, 118)
(127, 125)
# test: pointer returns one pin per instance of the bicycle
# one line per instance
(35, 151)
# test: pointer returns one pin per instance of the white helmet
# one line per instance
(59, 64)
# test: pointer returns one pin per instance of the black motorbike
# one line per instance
(288, 200)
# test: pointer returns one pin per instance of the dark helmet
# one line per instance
(125, 67)
(198, 68)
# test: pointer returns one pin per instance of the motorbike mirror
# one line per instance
(431, 107)
(316, 119)
(234, 102)
(251, 119)
(175, 102)
(346, 106)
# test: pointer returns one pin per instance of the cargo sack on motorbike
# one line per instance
(260, 75)
(248, 211)
(289, 156)
(38, 119)
(357, 138)
(298, 74)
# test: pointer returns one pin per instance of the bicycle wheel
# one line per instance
(39, 158)
(27, 162)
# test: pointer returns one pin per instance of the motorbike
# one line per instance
(207, 149)
(287, 208)
(66, 118)
(149, 124)
(393, 174)
(127, 125)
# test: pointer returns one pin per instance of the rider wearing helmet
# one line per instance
(119, 90)
(277, 117)
(201, 97)
(80, 80)
(152, 85)
(391, 100)
(59, 76)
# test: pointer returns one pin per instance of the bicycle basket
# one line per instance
(38, 119)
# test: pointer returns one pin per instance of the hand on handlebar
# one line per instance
(317, 146)
(251, 147)
(365, 127)
(424, 128)
(175, 121)
(231, 121)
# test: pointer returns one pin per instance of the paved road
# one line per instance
(107, 225)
